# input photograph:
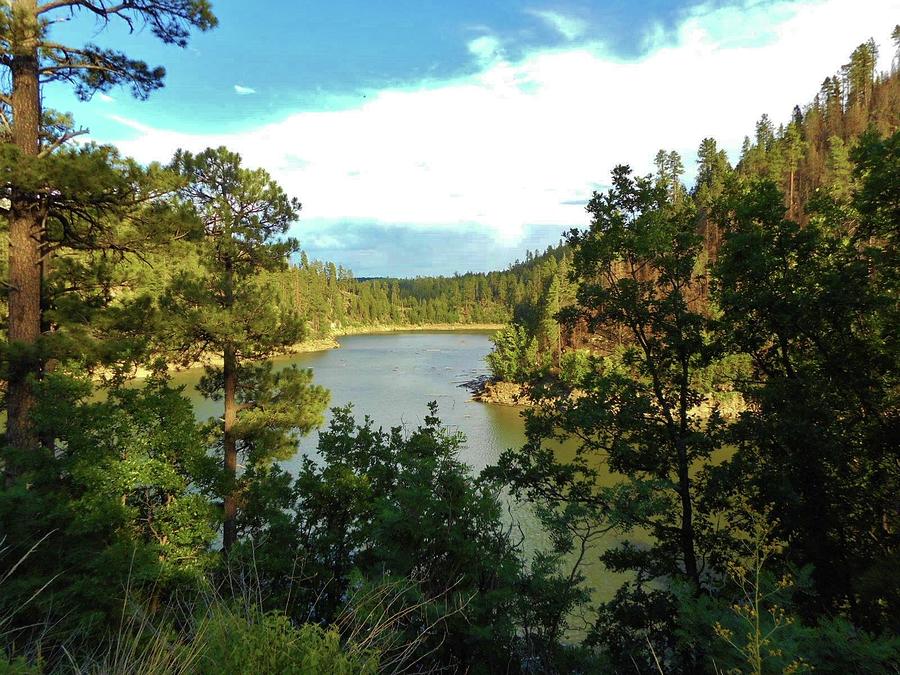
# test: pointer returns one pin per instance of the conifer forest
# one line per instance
(706, 369)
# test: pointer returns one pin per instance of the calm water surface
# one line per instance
(391, 377)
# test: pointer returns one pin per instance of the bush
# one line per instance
(574, 366)
(270, 643)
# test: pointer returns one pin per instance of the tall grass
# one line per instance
(223, 629)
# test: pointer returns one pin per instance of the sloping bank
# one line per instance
(331, 341)
(490, 390)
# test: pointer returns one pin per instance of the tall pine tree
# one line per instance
(224, 309)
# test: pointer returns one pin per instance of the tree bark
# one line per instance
(687, 522)
(24, 232)
(229, 443)
(229, 371)
(684, 480)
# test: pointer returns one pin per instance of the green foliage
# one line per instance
(514, 355)
(122, 498)
(243, 216)
(17, 666)
(89, 68)
(277, 407)
(252, 642)
(104, 211)
(575, 366)
(381, 507)
(771, 287)
(760, 630)
(225, 309)
(393, 537)
(633, 414)
(800, 330)
(811, 306)
(327, 297)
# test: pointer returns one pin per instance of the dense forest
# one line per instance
(808, 159)
(330, 299)
(753, 539)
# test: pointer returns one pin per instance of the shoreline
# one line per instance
(487, 389)
(331, 342)
(411, 328)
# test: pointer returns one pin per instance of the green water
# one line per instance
(392, 376)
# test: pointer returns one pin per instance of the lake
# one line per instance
(392, 376)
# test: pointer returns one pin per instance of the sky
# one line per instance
(431, 137)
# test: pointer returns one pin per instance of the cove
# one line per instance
(391, 377)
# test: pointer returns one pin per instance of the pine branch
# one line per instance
(59, 142)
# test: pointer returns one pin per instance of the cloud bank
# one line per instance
(523, 143)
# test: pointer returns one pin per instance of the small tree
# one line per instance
(815, 308)
(122, 503)
(514, 356)
(634, 414)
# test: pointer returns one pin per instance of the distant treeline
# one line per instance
(328, 296)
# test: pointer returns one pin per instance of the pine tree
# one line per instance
(895, 37)
(838, 169)
(33, 59)
(794, 147)
(224, 309)
(669, 169)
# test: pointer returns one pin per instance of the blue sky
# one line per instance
(428, 137)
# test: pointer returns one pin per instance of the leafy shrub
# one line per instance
(392, 527)
(574, 366)
(269, 643)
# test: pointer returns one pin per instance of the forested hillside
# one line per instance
(730, 382)
(760, 538)
(330, 298)
(807, 157)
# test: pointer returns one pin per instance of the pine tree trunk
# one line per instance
(229, 371)
(687, 523)
(24, 233)
(691, 568)
(229, 444)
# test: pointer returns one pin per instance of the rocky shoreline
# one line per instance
(486, 389)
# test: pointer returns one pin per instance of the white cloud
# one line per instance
(133, 124)
(567, 26)
(522, 141)
(105, 98)
(486, 49)
(241, 90)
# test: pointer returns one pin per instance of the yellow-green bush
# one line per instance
(270, 643)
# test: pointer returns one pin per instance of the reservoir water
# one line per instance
(392, 376)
